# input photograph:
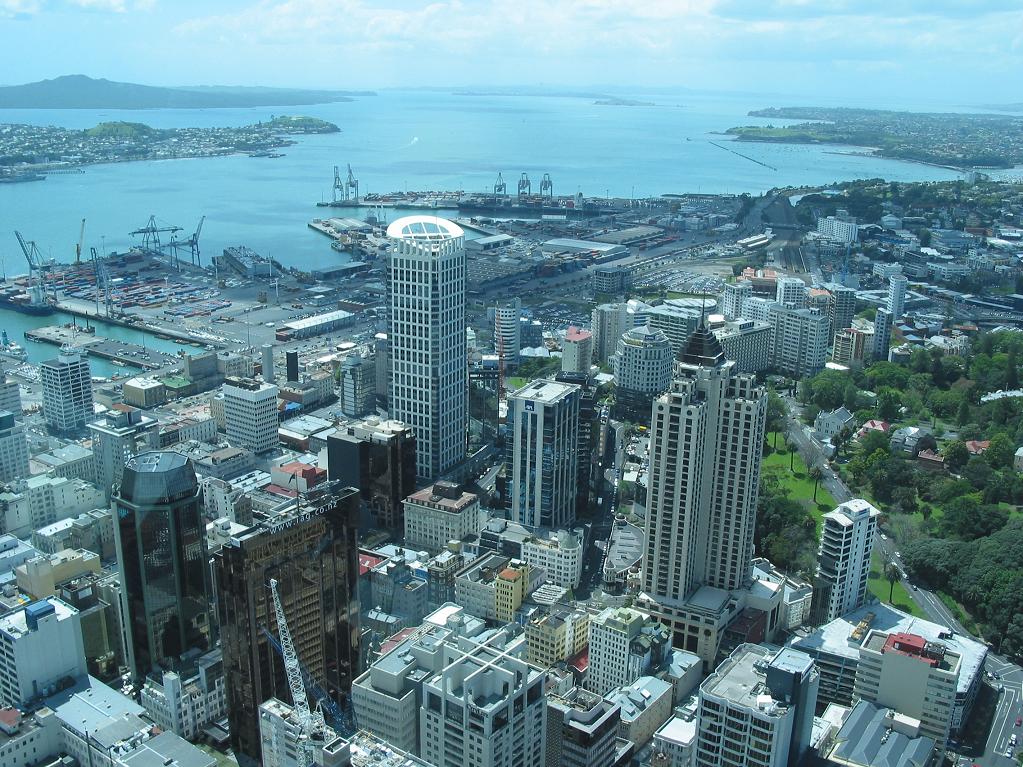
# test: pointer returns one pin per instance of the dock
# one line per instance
(118, 352)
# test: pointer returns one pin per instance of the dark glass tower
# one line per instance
(161, 549)
(312, 552)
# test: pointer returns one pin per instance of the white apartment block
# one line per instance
(577, 351)
(429, 376)
(485, 708)
(561, 555)
(186, 706)
(67, 391)
(799, 341)
(616, 659)
(116, 437)
(608, 322)
(439, 514)
(543, 418)
(250, 414)
(27, 740)
(843, 558)
(791, 292)
(508, 330)
(841, 307)
(40, 645)
(676, 322)
(642, 362)
(13, 449)
(759, 309)
(897, 287)
(734, 297)
(885, 270)
(747, 342)
(911, 675)
(756, 709)
(882, 334)
(42, 500)
(838, 229)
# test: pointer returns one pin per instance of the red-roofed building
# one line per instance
(977, 446)
(297, 475)
(577, 351)
(874, 425)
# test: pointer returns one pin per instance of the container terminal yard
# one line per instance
(235, 301)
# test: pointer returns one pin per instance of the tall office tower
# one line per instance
(897, 286)
(676, 322)
(485, 708)
(912, 675)
(799, 341)
(122, 432)
(843, 560)
(379, 459)
(707, 433)
(642, 370)
(611, 280)
(269, 374)
(759, 309)
(841, 308)
(791, 292)
(67, 391)
(312, 552)
(589, 437)
(42, 646)
(577, 351)
(10, 392)
(507, 330)
(543, 418)
(13, 449)
(882, 334)
(291, 365)
(581, 730)
(430, 377)
(734, 297)
(358, 386)
(250, 414)
(607, 323)
(756, 709)
(160, 537)
(625, 644)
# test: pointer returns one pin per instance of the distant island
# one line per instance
(615, 102)
(28, 150)
(82, 92)
(958, 141)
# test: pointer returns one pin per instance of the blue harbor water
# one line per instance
(410, 140)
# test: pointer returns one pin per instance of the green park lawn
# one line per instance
(879, 586)
(796, 482)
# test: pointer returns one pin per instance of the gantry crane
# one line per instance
(339, 192)
(37, 268)
(192, 243)
(99, 271)
(524, 186)
(547, 187)
(352, 183)
(500, 188)
(312, 728)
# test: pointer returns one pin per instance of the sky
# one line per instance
(945, 51)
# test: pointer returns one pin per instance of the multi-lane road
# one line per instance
(1004, 678)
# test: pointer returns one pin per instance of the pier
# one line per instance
(118, 352)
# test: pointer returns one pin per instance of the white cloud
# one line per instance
(15, 8)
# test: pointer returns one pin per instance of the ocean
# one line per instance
(417, 140)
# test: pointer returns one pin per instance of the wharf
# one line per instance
(135, 323)
(119, 352)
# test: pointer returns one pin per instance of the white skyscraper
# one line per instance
(250, 414)
(67, 391)
(897, 285)
(543, 418)
(608, 322)
(791, 292)
(799, 341)
(642, 370)
(429, 381)
(734, 297)
(706, 438)
(843, 559)
(507, 330)
(13, 449)
(577, 351)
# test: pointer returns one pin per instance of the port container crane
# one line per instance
(81, 242)
(524, 186)
(192, 243)
(352, 183)
(500, 188)
(151, 242)
(546, 187)
(37, 268)
(339, 192)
